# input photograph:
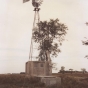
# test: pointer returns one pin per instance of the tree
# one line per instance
(83, 70)
(85, 42)
(71, 70)
(62, 69)
(49, 35)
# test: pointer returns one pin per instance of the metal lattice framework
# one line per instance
(36, 4)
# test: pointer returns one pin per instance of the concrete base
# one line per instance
(38, 68)
(50, 80)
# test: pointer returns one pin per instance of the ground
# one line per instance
(22, 81)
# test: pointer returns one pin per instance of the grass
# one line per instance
(23, 81)
(73, 80)
(19, 81)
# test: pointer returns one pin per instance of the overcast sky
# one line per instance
(16, 23)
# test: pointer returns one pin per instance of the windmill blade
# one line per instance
(37, 3)
(25, 1)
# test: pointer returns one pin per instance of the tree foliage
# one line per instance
(83, 70)
(85, 42)
(49, 35)
(62, 70)
(71, 70)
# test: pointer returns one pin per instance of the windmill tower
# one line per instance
(36, 68)
(45, 40)
(36, 4)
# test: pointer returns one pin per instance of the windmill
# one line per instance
(37, 67)
(35, 4)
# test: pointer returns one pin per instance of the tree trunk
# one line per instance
(47, 53)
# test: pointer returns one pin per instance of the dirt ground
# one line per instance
(23, 81)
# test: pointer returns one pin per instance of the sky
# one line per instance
(16, 23)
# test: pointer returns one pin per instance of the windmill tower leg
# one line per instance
(36, 20)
